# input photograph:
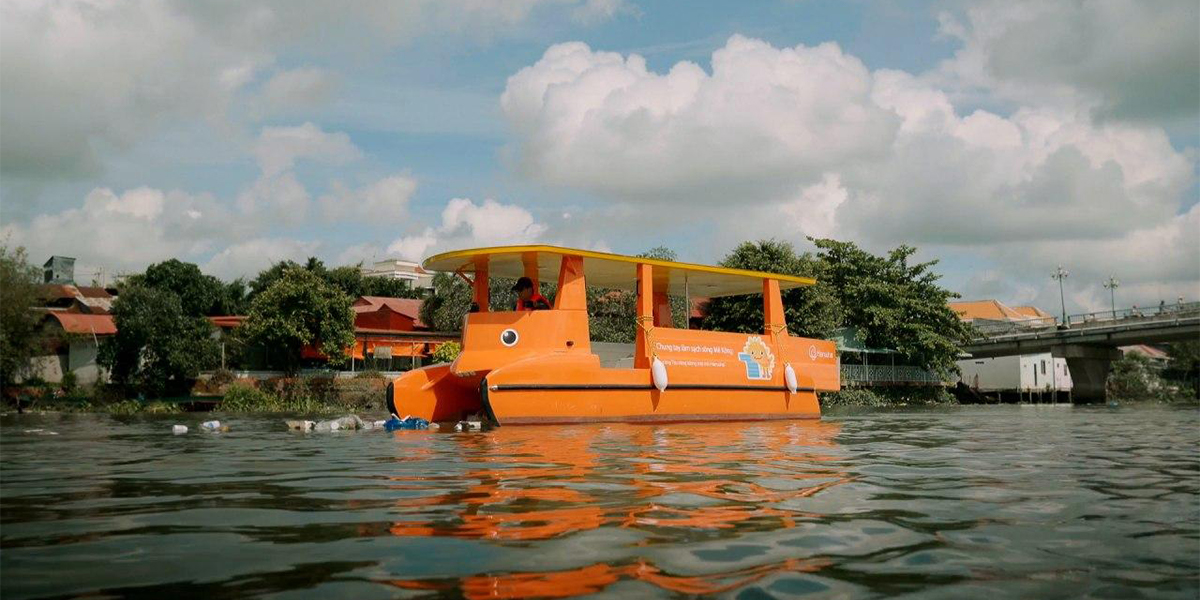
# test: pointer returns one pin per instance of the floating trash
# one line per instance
(179, 429)
(394, 424)
(211, 425)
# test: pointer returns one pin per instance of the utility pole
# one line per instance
(1112, 284)
(1060, 274)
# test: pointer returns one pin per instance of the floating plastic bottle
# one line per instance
(179, 429)
(211, 425)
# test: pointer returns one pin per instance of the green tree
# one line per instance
(21, 331)
(1133, 379)
(443, 310)
(612, 313)
(810, 311)
(199, 294)
(894, 303)
(159, 348)
(446, 352)
(297, 310)
(349, 279)
(1183, 365)
(234, 300)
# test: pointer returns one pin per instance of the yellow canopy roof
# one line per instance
(617, 271)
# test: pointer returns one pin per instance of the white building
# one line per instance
(394, 268)
(1029, 373)
(1026, 373)
(78, 345)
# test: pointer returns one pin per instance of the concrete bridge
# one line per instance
(1088, 341)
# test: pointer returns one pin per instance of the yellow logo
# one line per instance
(760, 362)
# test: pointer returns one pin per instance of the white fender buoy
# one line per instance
(789, 377)
(658, 372)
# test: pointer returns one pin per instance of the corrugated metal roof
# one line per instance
(93, 292)
(87, 324)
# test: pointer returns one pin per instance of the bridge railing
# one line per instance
(988, 328)
(1161, 311)
(887, 374)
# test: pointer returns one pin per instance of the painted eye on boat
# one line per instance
(509, 337)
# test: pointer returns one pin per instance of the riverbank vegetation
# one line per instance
(22, 336)
(1135, 378)
(165, 341)
(887, 396)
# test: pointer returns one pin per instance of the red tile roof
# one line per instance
(986, 309)
(1147, 351)
(93, 292)
(227, 321)
(88, 324)
(409, 307)
(1033, 312)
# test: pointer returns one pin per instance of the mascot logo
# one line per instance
(760, 362)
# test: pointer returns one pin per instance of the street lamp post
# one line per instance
(1112, 284)
(1060, 274)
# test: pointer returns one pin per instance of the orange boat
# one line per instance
(530, 367)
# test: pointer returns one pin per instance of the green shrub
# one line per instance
(886, 396)
(357, 395)
(124, 407)
(447, 352)
(221, 377)
(369, 374)
(161, 408)
(1134, 379)
(245, 398)
(69, 382)
(851, 397)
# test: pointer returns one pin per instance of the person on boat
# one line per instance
(527, 297)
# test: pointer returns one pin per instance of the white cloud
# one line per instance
(384, 202)
(466, 224)
(596, 11)
(1126, 59)
(295, 89)
(85, 79)
(278, 148)
(250, 257)
(128, 230)
(813, 213)
(765, 118)
(280, 198)
(80, 79)
(807, 141)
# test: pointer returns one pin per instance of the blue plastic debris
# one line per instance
(395, 423)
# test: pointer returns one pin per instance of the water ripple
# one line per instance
(1002, 502)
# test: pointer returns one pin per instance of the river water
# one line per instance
(971, 502)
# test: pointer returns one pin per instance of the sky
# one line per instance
(999, 138)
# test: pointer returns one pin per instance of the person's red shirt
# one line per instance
(535, 302)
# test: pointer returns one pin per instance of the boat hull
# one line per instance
(599, 404)
(572, 391)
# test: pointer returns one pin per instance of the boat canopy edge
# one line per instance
(607, 270)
